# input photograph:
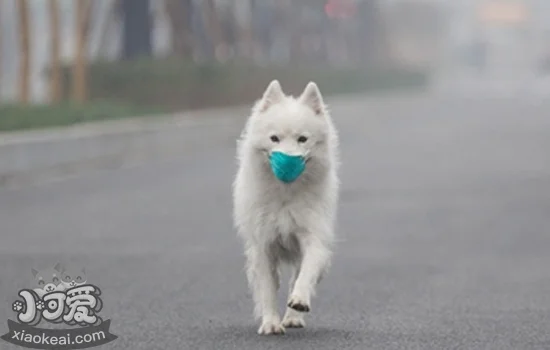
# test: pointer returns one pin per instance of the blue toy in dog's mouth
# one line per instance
(287, 168)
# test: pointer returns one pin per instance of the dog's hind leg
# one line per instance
(293, 318)
(264, 275)
(316, 257)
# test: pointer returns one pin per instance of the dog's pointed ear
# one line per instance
(272, 95)
(34, 272)
(312, 98)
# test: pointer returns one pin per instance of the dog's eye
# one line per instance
(40, 283)
(67, 278)
(274, 138)
(302, 139)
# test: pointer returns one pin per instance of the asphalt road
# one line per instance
(444, 236)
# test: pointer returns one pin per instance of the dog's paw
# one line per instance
(298, 304)
(293, 322)
(269, 328)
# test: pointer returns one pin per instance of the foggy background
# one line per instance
(453, 39)
(444, 120)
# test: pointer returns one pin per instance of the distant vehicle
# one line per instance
(343, 9)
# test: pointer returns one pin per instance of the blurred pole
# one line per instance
(24, 39)
(137, 29)
(80, 75)
(55, 68)
(294, 15)
(213, 24)
(179, 13)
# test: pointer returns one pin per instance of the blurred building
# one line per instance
(500, 37)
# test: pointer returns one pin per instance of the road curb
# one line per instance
(42, 155)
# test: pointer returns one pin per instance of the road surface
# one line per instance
(444, 236)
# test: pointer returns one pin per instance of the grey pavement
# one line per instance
(444, 236)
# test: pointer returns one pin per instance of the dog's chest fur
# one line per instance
(286, 217)
(284, 226)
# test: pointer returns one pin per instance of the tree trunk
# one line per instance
(244, 27)
(1, 53)
(137, 29)
(179, 14)
(55, 64)
(88, 10)
(24, 39)
(80, 62)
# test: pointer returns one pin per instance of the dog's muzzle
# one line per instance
(285, 167)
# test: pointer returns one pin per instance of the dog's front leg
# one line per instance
(315, 259)
(264, 288)
(293, 318)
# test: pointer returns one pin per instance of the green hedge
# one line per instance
(128, 89)
(176, 85)
(15, 117)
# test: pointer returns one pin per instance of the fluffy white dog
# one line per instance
(285, 199)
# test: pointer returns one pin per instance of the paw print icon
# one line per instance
(17, 306)
(40, 305)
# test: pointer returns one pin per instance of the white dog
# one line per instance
(285, 199)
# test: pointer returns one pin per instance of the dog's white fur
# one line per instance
(286, 223)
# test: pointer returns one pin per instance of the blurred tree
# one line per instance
(179, 13)
(137, 29)
(80, 76)
(246, 38)
(55, 64)
(293, 15)
(24, 39)
(111, 18)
